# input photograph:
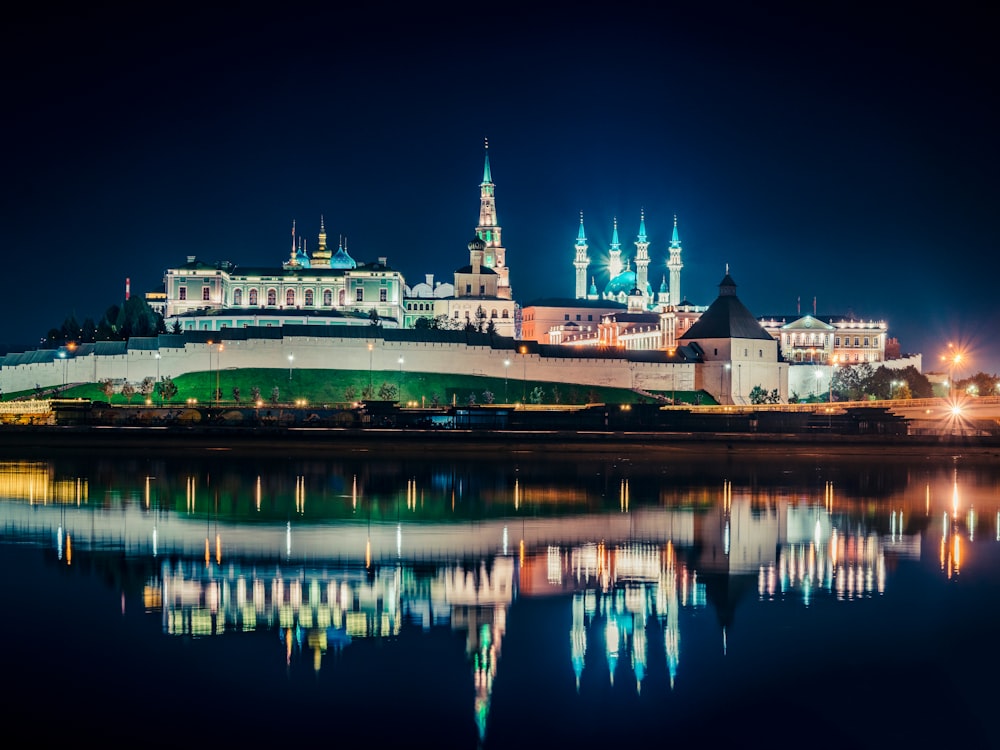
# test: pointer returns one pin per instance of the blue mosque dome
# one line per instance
(624, 283)
(341, 259)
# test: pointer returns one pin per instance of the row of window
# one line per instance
(578, 317)
(272, 296)
(812, 339)
(493, 314)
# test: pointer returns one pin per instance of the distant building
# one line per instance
(821, 340)
(323, 288)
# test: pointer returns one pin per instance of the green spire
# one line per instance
(581, 237)
(487, 178)
(675, 240)
(615, 244)
(642, 226)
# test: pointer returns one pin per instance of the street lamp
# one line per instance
(819, 383)
(506, 366)
(726, 368)
(291, 357)
(833, 369)
(371, 347)
(524, 375)
(218, 372)
(159, 388)
(953, 359)
(400, 383)
(62, 356)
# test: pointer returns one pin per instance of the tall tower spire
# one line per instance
(321, 256)
(642, 258)
(581, 262)
(494, 255)
(674, 265)
(615, 253)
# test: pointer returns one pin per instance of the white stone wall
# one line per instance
(350, 353)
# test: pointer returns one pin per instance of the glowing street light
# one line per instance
(400, 383)
(524, 374)
(291, 358)
(833, 369)
(159, 388)
(953, 359)
(218, 371)
(506, 367)
(371, 347)
(819, 382)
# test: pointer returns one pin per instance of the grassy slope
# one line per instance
(332, 386)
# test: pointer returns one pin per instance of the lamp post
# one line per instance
(159, 388)
(524, 375)
(371, 347)
(291, 358)
(833, 369)
(506, 367)
(218, 372)
(62, 356)
(399, 385)
(726, 368)
(819, 383)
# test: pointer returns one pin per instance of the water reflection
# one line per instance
(647, 561)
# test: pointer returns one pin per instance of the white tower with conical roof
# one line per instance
(582, 262)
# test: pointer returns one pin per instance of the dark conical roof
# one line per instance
(727, 318)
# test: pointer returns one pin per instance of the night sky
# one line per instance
(847, 155)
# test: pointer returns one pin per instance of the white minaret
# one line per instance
(615, 254)
(488, 231)
(642, 259)
(581, 262)
(674, 265)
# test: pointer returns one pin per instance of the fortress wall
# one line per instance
(348, 353)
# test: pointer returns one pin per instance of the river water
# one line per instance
(492, 599)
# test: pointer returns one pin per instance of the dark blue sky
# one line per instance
(845, 154)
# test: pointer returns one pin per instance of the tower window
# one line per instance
(359, 295)
(204, 293)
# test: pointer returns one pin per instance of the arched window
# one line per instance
(504, 316)
(327, 298)
(309, 298)
(343, 297)
(253, 297)
(493, 314)
(272, 297)
(290, 298)
(238, 297)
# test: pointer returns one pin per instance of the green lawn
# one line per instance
(345, 386)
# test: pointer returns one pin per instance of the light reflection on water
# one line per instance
(500, 603)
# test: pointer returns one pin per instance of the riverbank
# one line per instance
(21, 440)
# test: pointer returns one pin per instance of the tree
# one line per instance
(374, 318)
(275, 395)
(255, 394)
(537, 395)
(176, 328)
(471, 400)
(368, 392)
(387, 392)
(107, 386)
(979, 384)
(236, 393)
(350, 393)
(167, 388)
(146, 386)
(758, 395)
(480, 319)
(128, 391)
(488, 397)
(136, 318)
(491, 327)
